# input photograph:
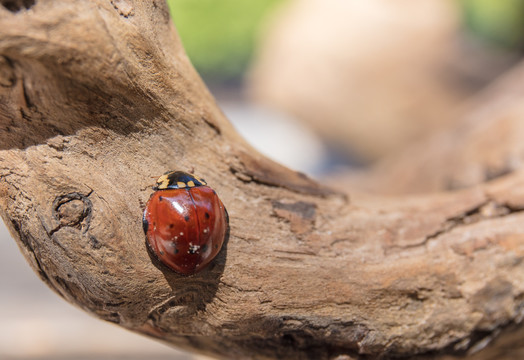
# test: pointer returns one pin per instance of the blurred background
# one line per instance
(322, 86)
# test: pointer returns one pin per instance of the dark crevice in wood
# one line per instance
(112, 100)
(17, 5)
(474, 215)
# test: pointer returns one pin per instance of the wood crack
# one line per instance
(276, 285)
(489, 209)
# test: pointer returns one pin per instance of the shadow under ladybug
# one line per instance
(187, 230)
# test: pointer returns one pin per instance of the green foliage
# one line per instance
(499, 21)
(219, 35)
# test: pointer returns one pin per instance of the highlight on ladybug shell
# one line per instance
(185, 222)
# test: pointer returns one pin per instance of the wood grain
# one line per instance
(98, 96)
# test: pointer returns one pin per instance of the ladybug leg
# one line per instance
(228, 229)
(141, 203)
(145, 223)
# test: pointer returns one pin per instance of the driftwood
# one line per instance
(98, 96)
(486, 144)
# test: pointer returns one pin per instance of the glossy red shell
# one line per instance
(185, 228)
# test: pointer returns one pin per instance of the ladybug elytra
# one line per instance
(185, 222)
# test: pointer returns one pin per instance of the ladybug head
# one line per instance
(178, 180)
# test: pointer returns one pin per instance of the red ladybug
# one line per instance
(185, 222)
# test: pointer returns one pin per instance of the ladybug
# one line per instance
(185, 222)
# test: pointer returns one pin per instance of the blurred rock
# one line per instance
(371, 75)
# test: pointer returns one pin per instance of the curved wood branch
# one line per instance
(98, 96)
(484, 144)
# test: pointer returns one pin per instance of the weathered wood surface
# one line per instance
(98, 96)
(485, 144)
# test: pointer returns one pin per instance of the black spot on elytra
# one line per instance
(204, 248)
(206, 215)
(171, 226)
(160, 198)
(145, 224)
(216, 246)
(176, 251)
(186, 218)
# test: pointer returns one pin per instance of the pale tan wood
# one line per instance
(98, 96)
(484, 144)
